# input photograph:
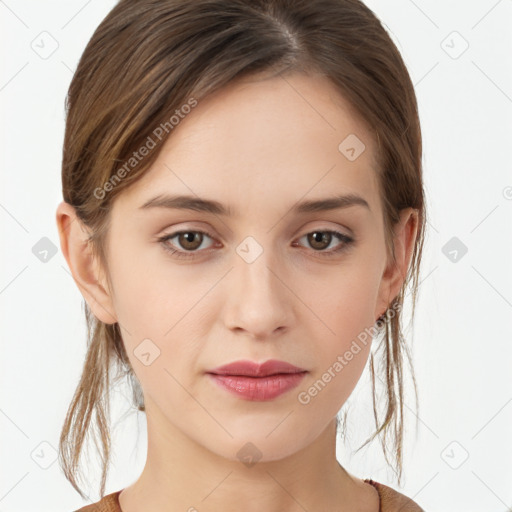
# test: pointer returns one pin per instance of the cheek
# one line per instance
(157, 306)
(345, 303)
(346, 310)
(151, 294)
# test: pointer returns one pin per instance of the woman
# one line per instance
(243, 211)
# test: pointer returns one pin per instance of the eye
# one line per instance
(321, 239)
(191, 241)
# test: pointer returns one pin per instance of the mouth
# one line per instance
(253, 369)
(258, 382)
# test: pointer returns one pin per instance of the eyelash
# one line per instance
(347, 241)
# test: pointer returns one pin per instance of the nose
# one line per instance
(259, 297)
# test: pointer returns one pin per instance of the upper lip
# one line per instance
(253, 369)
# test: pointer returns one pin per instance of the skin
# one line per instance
(256, 146)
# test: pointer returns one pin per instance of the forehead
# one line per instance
(261, 142)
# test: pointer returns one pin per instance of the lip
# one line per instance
(259, 382)
(252, 369)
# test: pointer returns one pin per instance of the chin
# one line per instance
(256, 445)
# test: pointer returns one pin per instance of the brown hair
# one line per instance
(149, 58)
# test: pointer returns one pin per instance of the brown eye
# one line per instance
(190, 240)
(187, 244)
(319, 239)
(184, 244)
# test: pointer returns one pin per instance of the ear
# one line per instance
(85, 269)
(405, 233)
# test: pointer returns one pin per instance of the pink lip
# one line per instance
(253, 381)
(252, 369)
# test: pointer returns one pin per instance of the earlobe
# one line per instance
(84, 267)
(395, 273)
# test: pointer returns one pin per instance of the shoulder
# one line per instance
(393, 501)
(109, 503)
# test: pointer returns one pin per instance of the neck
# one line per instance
(181, 474)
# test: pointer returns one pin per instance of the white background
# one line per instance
(462, 343)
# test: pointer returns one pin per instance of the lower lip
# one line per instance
(259, 388)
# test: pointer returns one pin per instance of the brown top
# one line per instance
(390, 501)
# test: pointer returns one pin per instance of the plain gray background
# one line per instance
(459, 459)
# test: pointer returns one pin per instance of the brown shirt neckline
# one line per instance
(390, 501)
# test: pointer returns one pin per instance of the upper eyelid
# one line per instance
(334, 231)
(342, 229)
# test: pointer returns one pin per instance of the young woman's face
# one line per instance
(268, 280)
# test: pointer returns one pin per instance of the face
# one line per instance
(264, 280)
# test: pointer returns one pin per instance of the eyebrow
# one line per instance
(184, 202)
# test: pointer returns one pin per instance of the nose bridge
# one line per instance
(260, 302)
(254, 263)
